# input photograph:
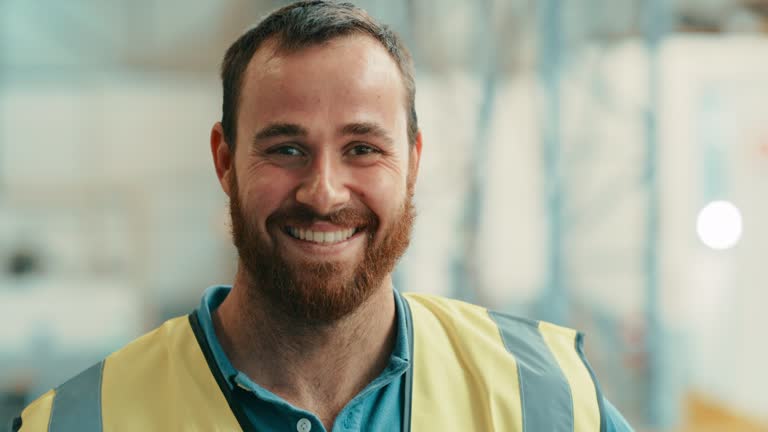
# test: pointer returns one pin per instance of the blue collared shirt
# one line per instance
(378, 407)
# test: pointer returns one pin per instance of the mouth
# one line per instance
(321, 237)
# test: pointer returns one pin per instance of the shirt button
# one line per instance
(304, 425)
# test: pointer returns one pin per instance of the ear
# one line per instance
(223, 157)
(415, 157)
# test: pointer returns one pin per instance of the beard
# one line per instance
(312, 292)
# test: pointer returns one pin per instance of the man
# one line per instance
(318, 150)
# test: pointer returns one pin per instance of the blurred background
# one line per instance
(602, 164)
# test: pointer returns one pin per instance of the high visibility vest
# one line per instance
(472, 370)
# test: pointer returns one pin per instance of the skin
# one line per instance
(328, 166)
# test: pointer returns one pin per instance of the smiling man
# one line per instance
(319, 168)
(318, 150)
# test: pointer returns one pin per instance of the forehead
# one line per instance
(345, 76)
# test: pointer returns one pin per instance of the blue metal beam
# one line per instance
(3, 66)
(553, 302)
(466, 280)
(657, 14)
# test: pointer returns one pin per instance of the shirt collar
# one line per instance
(215, 295)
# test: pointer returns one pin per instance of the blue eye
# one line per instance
(362, 150)
(286, 151)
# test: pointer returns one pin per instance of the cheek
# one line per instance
(264, 192)
(383, 194)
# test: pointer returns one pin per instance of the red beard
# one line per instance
(312, 292)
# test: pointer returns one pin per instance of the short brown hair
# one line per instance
(300, 25)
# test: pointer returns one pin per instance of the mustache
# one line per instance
(302, 215)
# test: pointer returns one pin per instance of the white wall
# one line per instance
(721, 294)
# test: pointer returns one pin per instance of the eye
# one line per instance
(285, 150)
(363, 150)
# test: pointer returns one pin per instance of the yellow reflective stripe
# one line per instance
(36, 416)
(161, 381)
(544, 391)
(77, 405)
(463, 377)
(562, 343)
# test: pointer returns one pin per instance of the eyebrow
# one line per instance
(274, 130)
(367, 128)
(280, 130)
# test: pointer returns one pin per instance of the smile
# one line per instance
(321, 237)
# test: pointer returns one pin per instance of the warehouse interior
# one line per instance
(601, 164)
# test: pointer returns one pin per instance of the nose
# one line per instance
(323, 187)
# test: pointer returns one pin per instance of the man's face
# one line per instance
(322, 178)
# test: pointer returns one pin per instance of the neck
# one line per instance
(317, 368)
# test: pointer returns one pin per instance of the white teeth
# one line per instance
(321, 236)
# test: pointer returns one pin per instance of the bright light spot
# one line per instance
(719, 225)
